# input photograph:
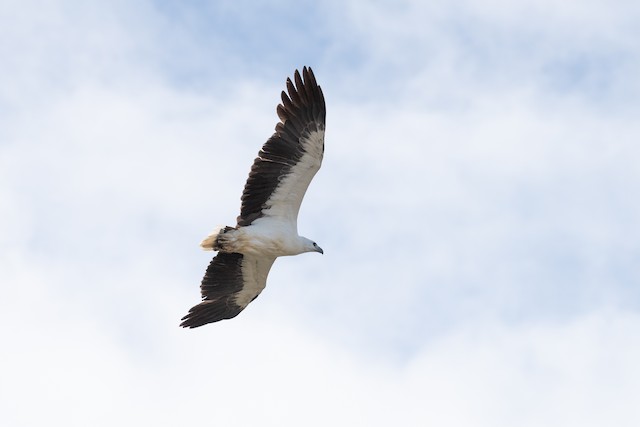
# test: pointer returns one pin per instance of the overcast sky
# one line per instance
(478, 207)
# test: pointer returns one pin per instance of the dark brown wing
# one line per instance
(230, 283)
(302, 113)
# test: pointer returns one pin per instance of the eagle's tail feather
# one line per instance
(215, 240)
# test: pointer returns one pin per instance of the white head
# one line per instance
(310, 245)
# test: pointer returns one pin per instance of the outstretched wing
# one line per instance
(281, 173)
(231, 282)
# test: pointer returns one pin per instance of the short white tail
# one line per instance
(210, 242)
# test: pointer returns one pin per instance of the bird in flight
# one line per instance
(267, 225)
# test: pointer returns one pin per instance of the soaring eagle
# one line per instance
(267, 225)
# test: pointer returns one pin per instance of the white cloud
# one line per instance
(265, 370)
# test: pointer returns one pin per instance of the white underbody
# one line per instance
(264, 237)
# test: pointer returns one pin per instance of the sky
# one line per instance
(477, 205)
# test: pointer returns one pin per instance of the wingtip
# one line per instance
(307, 73)
(210, 311)
(193, 320)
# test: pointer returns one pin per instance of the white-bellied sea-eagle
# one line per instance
(267, 225)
